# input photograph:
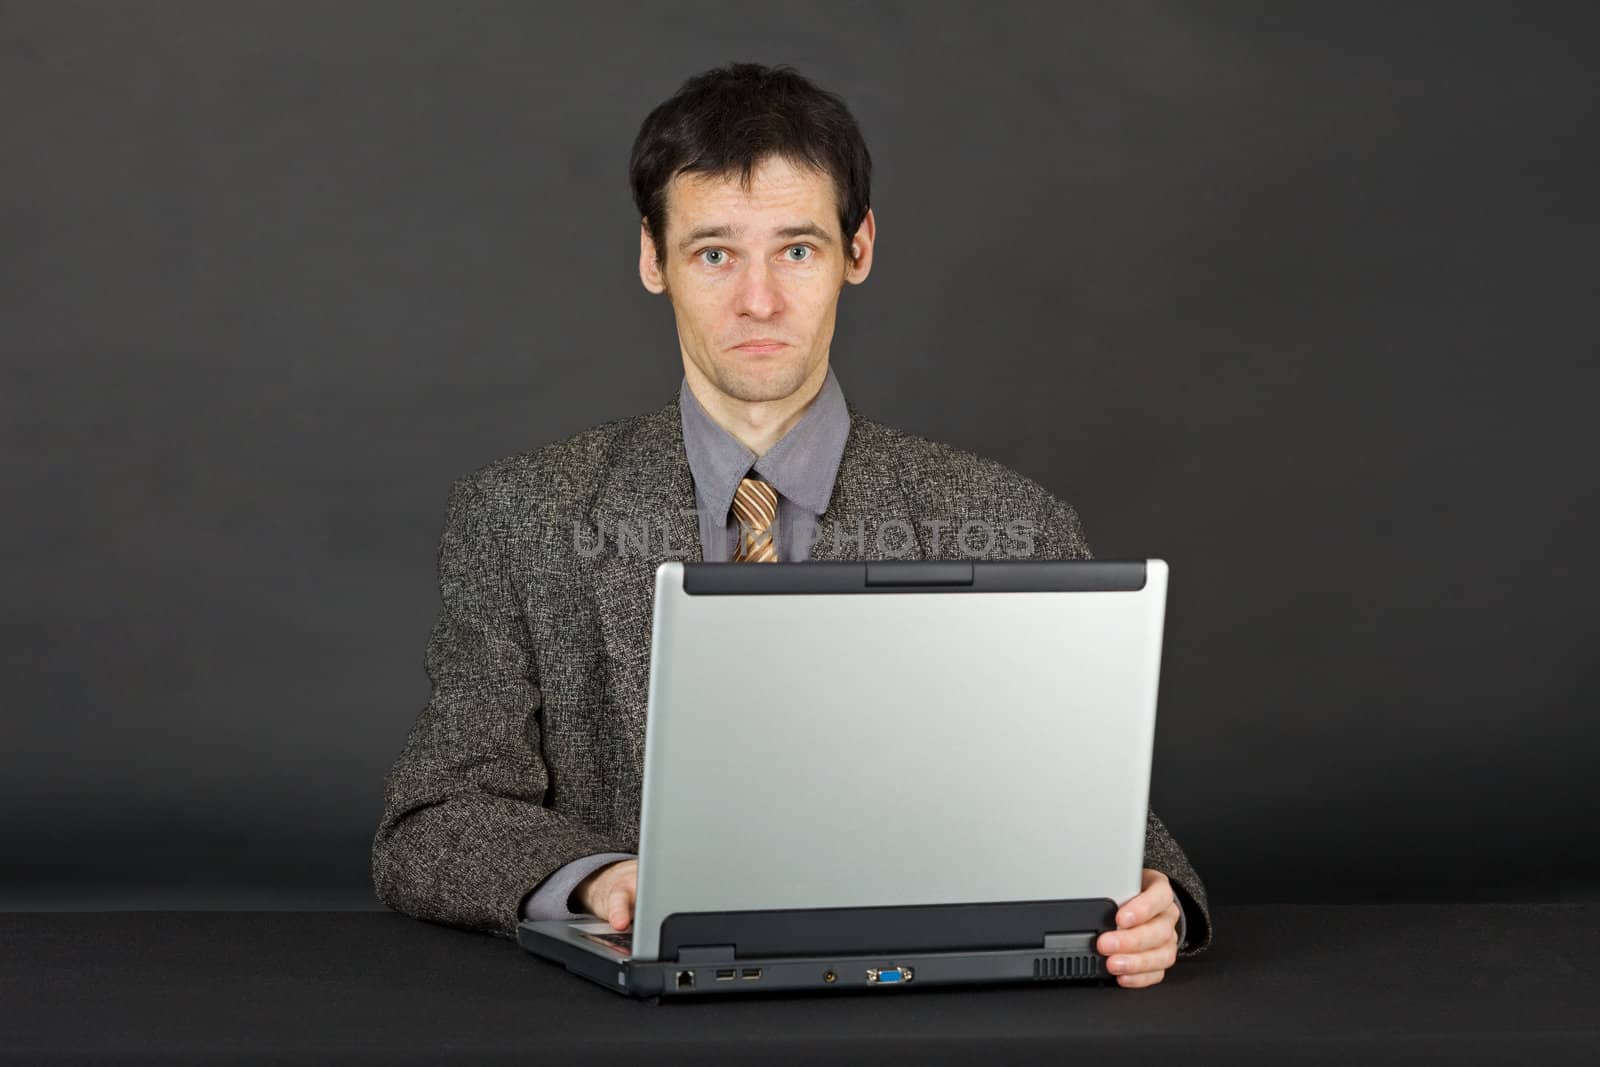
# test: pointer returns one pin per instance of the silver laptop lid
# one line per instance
(863, 735)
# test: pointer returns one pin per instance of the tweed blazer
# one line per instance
(530, 752)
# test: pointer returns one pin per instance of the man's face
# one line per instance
(762, 265)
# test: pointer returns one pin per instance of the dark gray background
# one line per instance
(1300, 300)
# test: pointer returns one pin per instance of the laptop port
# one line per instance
(888, 975)
(725, 976)
(750, 972)
(685, 979)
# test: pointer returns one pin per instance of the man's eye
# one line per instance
(713, 252)
(800, 248)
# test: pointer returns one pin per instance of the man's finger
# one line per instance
(619, 907)
(1139, 981)
(1131, 963)
(1159, 931)
(1147, 905)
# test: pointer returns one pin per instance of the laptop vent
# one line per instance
(1079, 966)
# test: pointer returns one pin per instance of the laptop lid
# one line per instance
(895, 735)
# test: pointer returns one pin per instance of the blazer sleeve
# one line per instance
(465, 836)
(1163, 853)
(1065, 539)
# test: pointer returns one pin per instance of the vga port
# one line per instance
(888, 975)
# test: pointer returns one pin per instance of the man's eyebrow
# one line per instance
(802, 229)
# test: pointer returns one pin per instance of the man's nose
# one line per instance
(759, 295)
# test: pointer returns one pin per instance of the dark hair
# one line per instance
(733, 118)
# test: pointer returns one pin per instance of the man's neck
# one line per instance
(759, 425)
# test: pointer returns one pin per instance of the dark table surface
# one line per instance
(1457, 983)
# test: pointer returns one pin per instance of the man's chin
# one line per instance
(760, 388)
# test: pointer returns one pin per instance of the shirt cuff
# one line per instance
(1183, 922)
(550, 900)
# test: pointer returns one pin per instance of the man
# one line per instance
(518, 791)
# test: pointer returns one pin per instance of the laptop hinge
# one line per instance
(1074, 942)
(705, 954)
(909, 573)
(867, 931)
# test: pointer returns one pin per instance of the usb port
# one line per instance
(750, 972)
(725, 976)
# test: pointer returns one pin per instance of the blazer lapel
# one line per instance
(643, 516)
(869, 516)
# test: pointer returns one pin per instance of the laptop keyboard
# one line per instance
(622, 942)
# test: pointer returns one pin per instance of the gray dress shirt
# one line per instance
(801, 467)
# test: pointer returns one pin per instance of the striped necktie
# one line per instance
(755, 505)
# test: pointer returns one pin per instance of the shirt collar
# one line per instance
(801, 465)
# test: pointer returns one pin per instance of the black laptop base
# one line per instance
(825, 950)
(878, 974)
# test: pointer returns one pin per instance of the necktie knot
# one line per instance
(755, 505)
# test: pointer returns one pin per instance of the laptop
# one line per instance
(884, 775)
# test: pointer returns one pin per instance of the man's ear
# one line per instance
(649, 272)
(858, 256)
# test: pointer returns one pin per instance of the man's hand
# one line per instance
(608, 893)
(1145, 942)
